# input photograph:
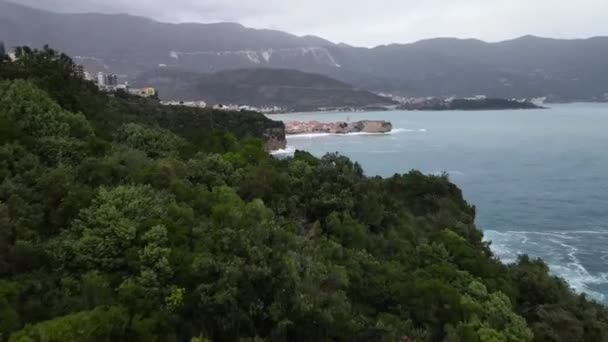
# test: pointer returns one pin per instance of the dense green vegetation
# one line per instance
(148, 232)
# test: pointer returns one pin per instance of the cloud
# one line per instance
(371, 23)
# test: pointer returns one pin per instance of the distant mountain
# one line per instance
(524, 67)
(290, 89)
(562, 70)
(129, 44)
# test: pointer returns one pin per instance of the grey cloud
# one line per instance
(372, 22)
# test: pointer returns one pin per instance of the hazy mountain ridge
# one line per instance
(289, 89)
(524, 67)
(131, 44)
(562, 70)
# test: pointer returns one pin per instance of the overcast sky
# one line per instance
(372, 22)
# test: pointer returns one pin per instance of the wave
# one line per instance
(288, 151)
(408, 130)
(592, 232)
(319, 135)
(561, 250)
(309, 135)
(580, 279)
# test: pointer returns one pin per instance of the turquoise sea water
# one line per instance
(539, 178)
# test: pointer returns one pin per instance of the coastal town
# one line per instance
(109, 82)
(341, 127)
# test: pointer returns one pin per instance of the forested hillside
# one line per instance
(115, 226)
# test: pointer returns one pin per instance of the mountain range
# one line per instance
(289, 89)
(561, 70)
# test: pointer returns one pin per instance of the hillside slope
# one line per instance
(562, 70)
(108, 113)
(289, 89)
(129, 44)
(524, 67)
(125, 228)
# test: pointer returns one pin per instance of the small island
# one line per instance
(340, 127)
(481, 103)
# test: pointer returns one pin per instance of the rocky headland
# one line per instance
(274, 138)
(341, 127)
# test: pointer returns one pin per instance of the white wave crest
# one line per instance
(288, 151)
(308, 135)
(561, 250)
(580, 279)
(407, 130)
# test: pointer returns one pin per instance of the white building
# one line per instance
(12, 55)
(101, 79)
(88, 76)
(194, 104)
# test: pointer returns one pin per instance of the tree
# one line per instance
(100, 324)
(105, 235)
(58, 135)
(154, 141)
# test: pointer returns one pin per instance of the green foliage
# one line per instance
(101, 324)
(106, 235)
(137, 222)
(492, 316)
(154, 142)
(33, 118)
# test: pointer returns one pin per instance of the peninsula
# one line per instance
(340, 127)
(478, 103)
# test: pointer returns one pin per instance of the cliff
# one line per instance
(274, 138)
(340, 127)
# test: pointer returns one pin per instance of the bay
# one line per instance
(539, 178)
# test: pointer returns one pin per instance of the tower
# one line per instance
(101, 79)
(79, 71)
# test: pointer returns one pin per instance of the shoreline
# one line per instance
(423, 110)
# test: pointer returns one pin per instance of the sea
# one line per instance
(539, 178)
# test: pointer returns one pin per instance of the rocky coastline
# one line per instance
(340, 127)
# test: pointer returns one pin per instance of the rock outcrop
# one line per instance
(197, 123)
(274, 138)
(365, 126)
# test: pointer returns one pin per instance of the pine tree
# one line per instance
(2, 51)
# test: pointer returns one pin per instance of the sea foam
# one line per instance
(287, 151)
(561, 250)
